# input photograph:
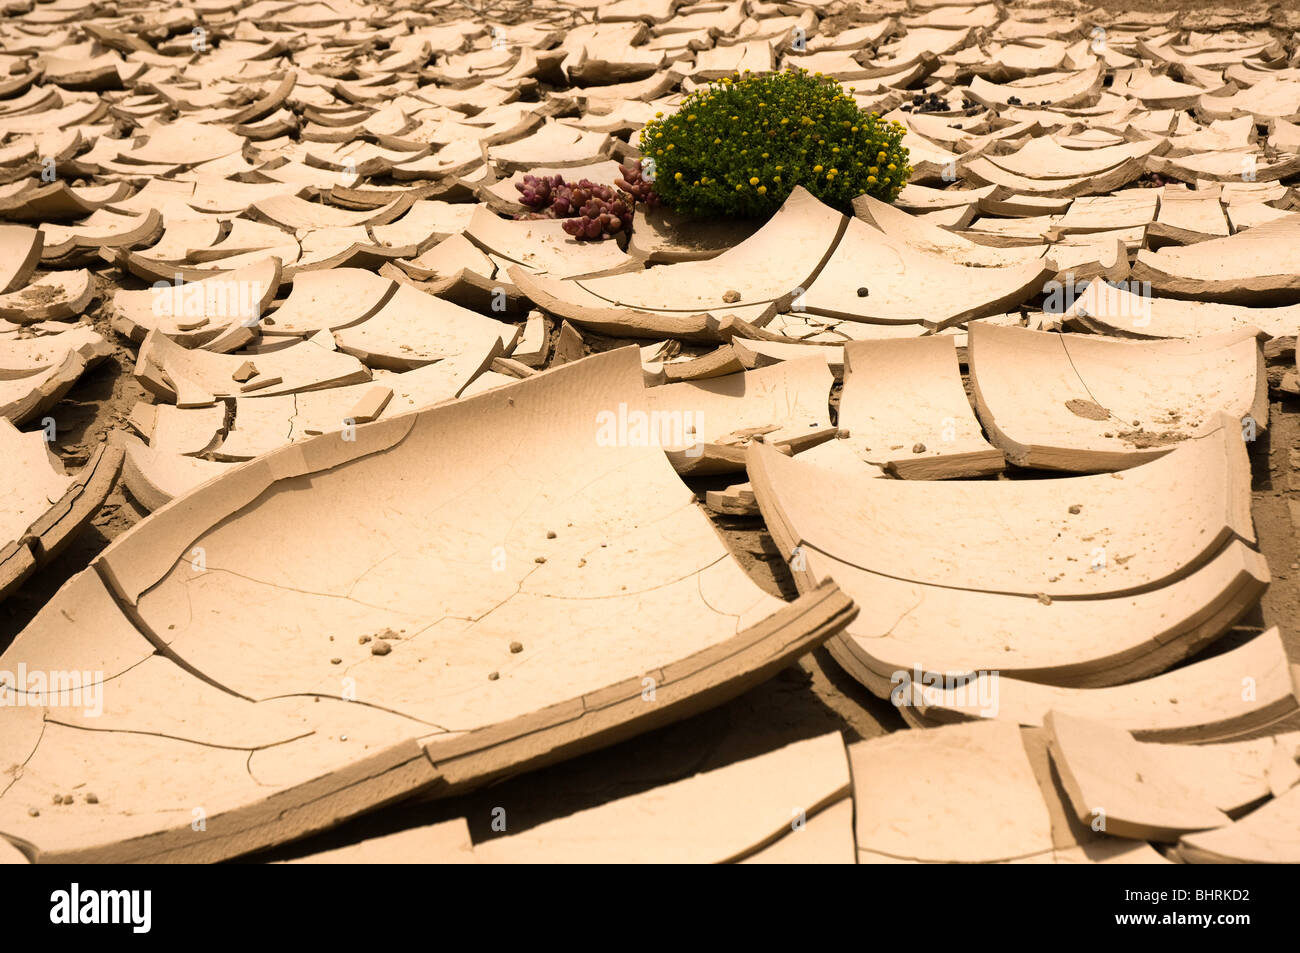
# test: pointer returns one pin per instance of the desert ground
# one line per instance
(391, 596)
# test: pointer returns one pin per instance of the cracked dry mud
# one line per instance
(351, 518)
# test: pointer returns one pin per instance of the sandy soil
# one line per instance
(804, 700)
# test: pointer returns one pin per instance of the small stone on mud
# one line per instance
(1044, 598)
(1076, 509)
(863, 292)
(363, 640)
(516, 647)
(91, 798)
(380, 648)
(731, 297)
(336, 661)
(550, 534)
(1087, 408)
(540, 559)
(493, 676)
(918, 448)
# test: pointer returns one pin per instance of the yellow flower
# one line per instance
(881, 157)
(833, 172)
(753, 180)
(659, 115)
(871, 179)
(892, 167)
(762, 190)
(739, 187)
(784, 121)
(776, 178)
(717, 142)
(659, 135)
(677, 177)
(817, 168)
(872, 170)
(670, 147)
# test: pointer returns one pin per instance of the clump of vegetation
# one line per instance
(741, 145)
(590, 210)
(634, 182)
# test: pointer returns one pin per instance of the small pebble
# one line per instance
(731, 297)
(540, 559)
(516, 647)
(336, 661)
(493, 676)
(363, 640)
(1076, 509)
(91, 798)
(918, 448)
(380, 648)
(1044, 598)
(32, 812)
(863, 292)
(550, 534)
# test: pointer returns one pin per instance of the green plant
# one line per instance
(739, 146)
